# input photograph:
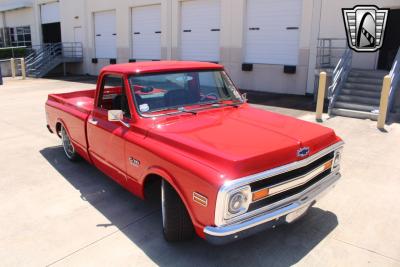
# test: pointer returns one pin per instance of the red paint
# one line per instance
(194, 153)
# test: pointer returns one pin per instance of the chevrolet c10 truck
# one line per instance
(180, 131)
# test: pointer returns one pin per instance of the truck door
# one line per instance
(106, 138)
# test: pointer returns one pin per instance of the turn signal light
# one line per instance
(260, 194)
(328, 165)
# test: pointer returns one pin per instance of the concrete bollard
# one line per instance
(12, 62)
(321, 96)
(23, 68)
(383, 106)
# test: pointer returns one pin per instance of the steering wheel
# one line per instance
(147, 89)
(213, 96)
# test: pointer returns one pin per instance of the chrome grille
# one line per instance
(290, 175)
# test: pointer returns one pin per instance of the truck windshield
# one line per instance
(169, 91)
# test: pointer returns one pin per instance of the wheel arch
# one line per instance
(156, 173)
(60, 123)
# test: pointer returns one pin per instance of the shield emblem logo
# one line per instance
(302, 152)
(365, 27)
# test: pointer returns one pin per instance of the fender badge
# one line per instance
(303, 152)
(134, 162)
(200, 199)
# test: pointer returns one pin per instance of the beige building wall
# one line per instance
(264, 77)
(319, 19)
(77, 13)
(20, 17)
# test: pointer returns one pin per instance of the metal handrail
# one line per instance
(339, 76)
(329, 51)
(44, 55)
(395, 79)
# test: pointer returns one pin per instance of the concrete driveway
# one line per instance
(54, 212)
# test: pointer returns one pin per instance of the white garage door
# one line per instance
(200, 30)
(146, 30)
(105, 34)
(272, 31)
(50, 12)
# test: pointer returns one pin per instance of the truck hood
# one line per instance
(241, 141)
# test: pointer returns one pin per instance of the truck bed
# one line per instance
(71, 109)
(82, 100)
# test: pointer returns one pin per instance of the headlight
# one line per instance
(336, 159)
(238, 202)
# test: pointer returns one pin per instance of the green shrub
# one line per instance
(6, 53)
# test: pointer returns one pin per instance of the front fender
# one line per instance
(185, 186)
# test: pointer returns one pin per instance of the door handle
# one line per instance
(92, 121)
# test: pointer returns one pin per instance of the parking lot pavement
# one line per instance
(54, 212)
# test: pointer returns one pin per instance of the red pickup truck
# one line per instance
(181, 131)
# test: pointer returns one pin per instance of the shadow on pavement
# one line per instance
(299, 102)
(140, 221)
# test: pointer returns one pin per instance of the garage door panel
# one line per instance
(198, 41)
(146, 29)
(105, 34)
(267, 38)
(50, 12)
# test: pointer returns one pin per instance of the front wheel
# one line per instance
(176, 221)
(69, 149)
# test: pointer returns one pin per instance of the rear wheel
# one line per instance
(68, 146)
(177, 225)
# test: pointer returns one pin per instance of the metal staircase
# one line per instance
(43, 58)
(360, 95)
(353, 92)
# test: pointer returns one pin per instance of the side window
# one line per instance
(112, 95)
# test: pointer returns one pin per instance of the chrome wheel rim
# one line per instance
(67, 145)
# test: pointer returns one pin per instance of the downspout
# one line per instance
(3, 18)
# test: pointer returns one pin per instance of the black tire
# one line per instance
(67, 145)
(177, 225)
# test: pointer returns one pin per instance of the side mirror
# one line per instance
(117, 115)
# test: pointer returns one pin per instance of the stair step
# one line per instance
(363, 93)
(368, 73)
(363, 86)
(354, 113)
(358, 100)
(354, 106)
(377, 81)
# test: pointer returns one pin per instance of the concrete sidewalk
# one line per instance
(54, 212)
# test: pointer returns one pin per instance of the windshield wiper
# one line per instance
(219, 104)
(215, 104)
(182, 109)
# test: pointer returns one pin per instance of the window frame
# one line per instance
(123, 91)
(17, 36)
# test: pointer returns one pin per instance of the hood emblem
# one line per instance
(303, 152)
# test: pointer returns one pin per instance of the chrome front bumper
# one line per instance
(274, 216)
